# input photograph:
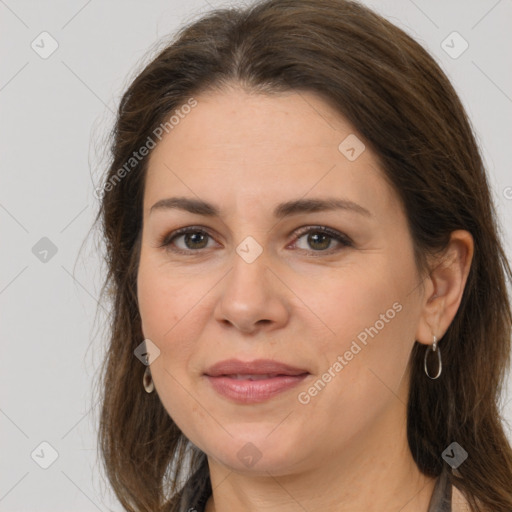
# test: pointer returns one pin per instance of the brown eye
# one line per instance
(194, 240)
(320, 239)
(185, 240)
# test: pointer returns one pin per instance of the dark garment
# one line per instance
(196, 495)
(441, 500)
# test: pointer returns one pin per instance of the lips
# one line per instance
(253, 370)
(254, 381)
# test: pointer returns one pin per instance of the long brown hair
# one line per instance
(399, 100)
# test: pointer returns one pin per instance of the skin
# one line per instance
(298, 302)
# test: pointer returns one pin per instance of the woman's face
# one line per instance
(260, 280)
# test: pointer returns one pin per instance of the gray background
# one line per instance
(55, 114)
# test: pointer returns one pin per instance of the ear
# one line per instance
(444, 288)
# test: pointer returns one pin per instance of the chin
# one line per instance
(258, 455)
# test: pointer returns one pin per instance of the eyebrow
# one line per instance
(282, 210)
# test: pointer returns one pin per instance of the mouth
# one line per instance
(254, 381)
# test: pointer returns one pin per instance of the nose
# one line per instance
(252, 297)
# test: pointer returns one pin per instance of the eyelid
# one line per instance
(342, 239)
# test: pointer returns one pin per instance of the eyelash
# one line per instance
(166, 240)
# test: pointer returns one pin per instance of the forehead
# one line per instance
(261, 146)
(244, 123)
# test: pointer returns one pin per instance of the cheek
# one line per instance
(164, 299)
(355, 301)
(363, 366)
(371, 321)
(174, 307)
(154, 304)
(166, 306)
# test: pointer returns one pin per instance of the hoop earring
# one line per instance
(147, 381)
(437, 350)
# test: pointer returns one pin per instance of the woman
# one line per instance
(310, 308)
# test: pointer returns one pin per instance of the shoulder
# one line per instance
(459, 502)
